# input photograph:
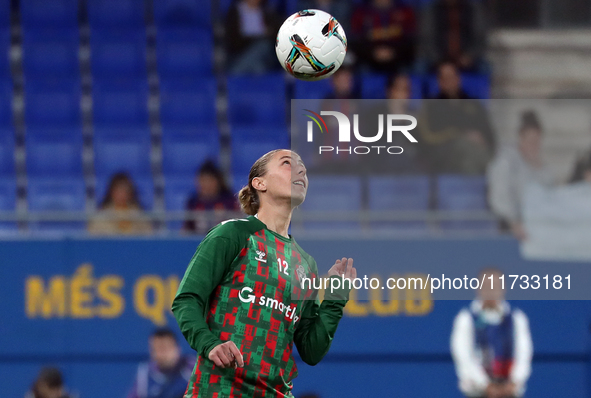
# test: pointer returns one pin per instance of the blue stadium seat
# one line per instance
(249, 144)
(475, 85)
(4, 47)
(7, 194)
(51, 52)
(314, 93)
(65, 133)
(52, 101)
(120, 104)
(6, 152)
(277, 136)
(5, 102)
(122, 133)
(117, 53)
(58, 13)
(182, 12)
(185, 149)
(184, 51)
(257, 100)
(54, 152)
(121, 149)
(289, 6)
(399, 193)
(176, 194)
(54, 194)
(143, 185)
(188, 101)
(5, 13)
(7, 202)
(468, 193)
(328, 194)
(312, 90)
(373, 86)
(224, 6)
(116, 13)
(177, 191)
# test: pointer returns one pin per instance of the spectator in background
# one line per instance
(383, 36)
(398, 93)
(343, 84)
(49, 384)
(340, 9)
(455, 135)
(512, 170)
(491, 344)
(167, 373)
(250, 37)
(341, 99)
(454, 30)
(212, 194)
(120, 212)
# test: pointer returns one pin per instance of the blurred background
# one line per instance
(128, 126)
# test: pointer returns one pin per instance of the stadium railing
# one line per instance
(434, 220)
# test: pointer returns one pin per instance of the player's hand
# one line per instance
(226, 355)
(509, 389)
(343, 267)
(493, 391)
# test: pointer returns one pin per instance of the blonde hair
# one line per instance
(248, 196)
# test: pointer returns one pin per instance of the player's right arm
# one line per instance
(205, 272)
(472, 377)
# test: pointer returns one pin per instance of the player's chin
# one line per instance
(297, 199)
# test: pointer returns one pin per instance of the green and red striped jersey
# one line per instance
(244, 284)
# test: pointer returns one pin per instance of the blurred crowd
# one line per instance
(445, 38)
(384, 35)
(121, 211)
(455, 137)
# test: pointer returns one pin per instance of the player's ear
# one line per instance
(259, 184)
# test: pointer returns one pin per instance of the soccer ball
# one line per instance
(311, 45)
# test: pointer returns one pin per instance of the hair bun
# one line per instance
(248, 201)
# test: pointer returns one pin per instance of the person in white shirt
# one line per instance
(491, 344)
(512, 170)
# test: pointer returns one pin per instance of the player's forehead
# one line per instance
(287, 154)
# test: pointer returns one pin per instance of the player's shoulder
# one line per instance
(464, 316)
(518, 314)
(236, 228)
(305, 256)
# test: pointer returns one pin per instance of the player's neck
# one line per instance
(276, 219)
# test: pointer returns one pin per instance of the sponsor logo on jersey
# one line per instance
(246, 296)
(301, 274)
(261, 256)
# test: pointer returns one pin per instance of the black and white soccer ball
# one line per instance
(311, 45)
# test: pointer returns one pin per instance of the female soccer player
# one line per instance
(241, 304)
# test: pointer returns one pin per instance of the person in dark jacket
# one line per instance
(383, 36)
(212, 194)
(454, 30)
(49, 384)
(167, 373)
(456, 135)
(250, 37)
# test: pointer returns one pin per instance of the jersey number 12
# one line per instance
(283, 266)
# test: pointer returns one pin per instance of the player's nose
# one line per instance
(301, 171)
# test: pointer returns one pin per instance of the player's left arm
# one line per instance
(319, 322)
